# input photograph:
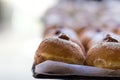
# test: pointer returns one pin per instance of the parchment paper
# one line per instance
(60, 68)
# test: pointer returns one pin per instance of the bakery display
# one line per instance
(81, 32)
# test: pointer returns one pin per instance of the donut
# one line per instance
(61, 49)
(105, 54)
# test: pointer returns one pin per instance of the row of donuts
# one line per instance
(63, 44)
(78, 14)
(77, 33)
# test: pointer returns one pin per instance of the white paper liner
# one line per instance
(60, 68)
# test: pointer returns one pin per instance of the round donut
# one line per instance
(105, 54)
(61, 49)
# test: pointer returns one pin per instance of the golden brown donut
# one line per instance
(57, 30)
(105, 54)
(61, 49)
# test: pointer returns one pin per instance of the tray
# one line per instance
(59, 70)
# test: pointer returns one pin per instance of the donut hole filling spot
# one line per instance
(108, 38)
(63, 36)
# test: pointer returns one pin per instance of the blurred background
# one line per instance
(21, 27)
(20, 35)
